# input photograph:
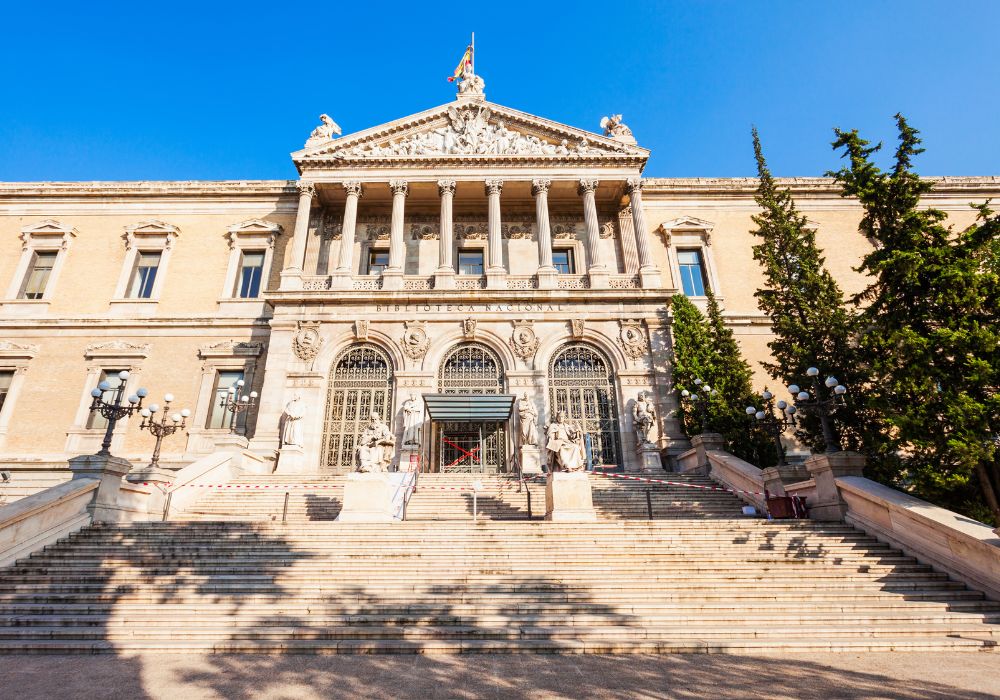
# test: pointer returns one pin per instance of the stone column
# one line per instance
(345, 261)
(649, 274)
(392, 277)
(597, 270)
(630, 257)
(496, 275)
(444, 276)
(291, 276)
(547, 275)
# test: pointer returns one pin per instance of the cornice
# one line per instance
(150, 188)
(825, 186)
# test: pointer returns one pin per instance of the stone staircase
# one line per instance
(449, 497)
(674, 585)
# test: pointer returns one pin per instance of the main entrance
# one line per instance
(468, 445)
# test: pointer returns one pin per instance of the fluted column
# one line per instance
(597, 270)
(444, 276)
(291, 275)
(547, 275)
(392, 277)
(649, 274)
(496, 275)
(345, 259)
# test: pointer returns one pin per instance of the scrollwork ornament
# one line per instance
(307, 341)
(633, 338)
(415, 340)
(523, 341)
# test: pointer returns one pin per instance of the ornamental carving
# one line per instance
(608, 229)
(520, 230)
(361, 329)
(9, 349)
(332, 226)
(230, 348)
(116, 348)
(471, 231)
(523, 340)
(378, 228)
(307, 341)
(415, 340)
(564, 231)
(633, 338)
(576, 327)
(469, 328)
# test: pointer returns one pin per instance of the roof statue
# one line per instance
(326, 131)
(615, 128)
(472, 84)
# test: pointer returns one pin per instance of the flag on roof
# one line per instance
(465, 62)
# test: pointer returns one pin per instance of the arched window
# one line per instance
(581, 385)
(471, 369)
(477, 447)
(360, 382)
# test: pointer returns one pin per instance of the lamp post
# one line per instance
(114, 410)
(812, 401)
(700, 397)
(162, 429)
(236, 402)
(773, 423)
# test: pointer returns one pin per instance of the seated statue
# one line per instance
(375, 446)
(564, 441)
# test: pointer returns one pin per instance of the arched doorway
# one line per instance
(471, 447)
(582, 385)
(360, 382)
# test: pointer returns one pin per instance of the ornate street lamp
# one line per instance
(813, 402)
(162, 429)
(114, 410)
(773, 423)
(236, 402)
(700, 397)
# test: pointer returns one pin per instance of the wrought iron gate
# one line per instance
(361, 382)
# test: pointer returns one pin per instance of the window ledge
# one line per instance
(133, 307)
(24, 307)
(244, 308)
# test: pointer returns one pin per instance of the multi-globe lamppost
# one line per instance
(773, 423)
(700, 397)
(114, 410)
(812, 401)
(235, 402)
(162, 429)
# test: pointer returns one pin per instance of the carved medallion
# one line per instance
(415, 340)
(519, 230)
(633, 338)
(576, 327)
(608, 229)
(361, 329)
(523, 340)
(307, 341)
(469, 328)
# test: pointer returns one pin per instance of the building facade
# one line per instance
(470, 250)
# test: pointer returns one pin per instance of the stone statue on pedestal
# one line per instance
(375, 446)
(413, 422)
(291, 431)
(326, 131)
(643, 418)
(528, 417)
(564, 441)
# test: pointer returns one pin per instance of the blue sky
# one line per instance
(142, 91)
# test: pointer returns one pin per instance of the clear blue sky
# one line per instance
(144, 91)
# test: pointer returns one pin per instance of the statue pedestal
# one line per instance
(649, 459)
(409, 458)
(109, 470)
(367, 499)
(531, 459)
(568, 498)
(292, 460)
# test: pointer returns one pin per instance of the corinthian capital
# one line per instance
(306, 187)
(633, 185)
(494, 186)
(353, 187)
(398, 187)
(540, 186)
(587, 186)
(446, 187)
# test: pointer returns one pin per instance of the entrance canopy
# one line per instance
(469, 408)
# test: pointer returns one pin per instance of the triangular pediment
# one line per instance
(470, 130)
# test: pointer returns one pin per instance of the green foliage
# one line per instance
(812, 325)
(929, 325)
(704, 348)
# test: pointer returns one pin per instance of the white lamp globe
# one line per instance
(782, 405)
(802, 396)
(793, 389)
(142, 393)
(104, 386)
(154, 407)
(840, 390)
(123, 375)
(831, 382)
(95, 393)
(812, 372)
(145, 413)
(751, 410)
(176, 418)
(760, 415)
(767, 395)
(185, 412)
(167, 398)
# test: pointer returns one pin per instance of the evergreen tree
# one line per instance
(692, 354)
(812, 325)
(930, 325)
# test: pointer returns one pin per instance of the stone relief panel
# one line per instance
(361, 329)
(415, 340)
(523, 341)
(633, 338)
(307, 341)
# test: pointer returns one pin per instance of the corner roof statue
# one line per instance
(326, 131)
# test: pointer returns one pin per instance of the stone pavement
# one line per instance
(923, 676)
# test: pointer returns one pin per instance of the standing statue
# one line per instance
(375, 446)
(291, 431)
(413, 422)
(528, 417)
(643, 418)
(564, 441)
(326, 131)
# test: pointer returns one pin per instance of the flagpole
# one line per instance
(473, 57)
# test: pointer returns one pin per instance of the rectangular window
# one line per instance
(144, 275)
(38, 274)
(470, 262)
(6, 378)
(378, 260)
(692, 272)
(562, 259)
(96, 420)
(218, 416)
(251, 272)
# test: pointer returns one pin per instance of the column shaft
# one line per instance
(649, 274)
(297, 256)
(493, 189)
(345, 260)
(397, 244)
(446, 188)
(540, 188)
(587, 189)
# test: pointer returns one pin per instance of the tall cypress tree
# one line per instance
(812, 325)
(930, 325)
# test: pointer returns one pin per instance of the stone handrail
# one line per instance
(38, 520)
(216, 468)
(960, 546)
(734, 473)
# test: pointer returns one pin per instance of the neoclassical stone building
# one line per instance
(470, 251)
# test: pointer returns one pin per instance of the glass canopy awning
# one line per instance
(469, 408)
